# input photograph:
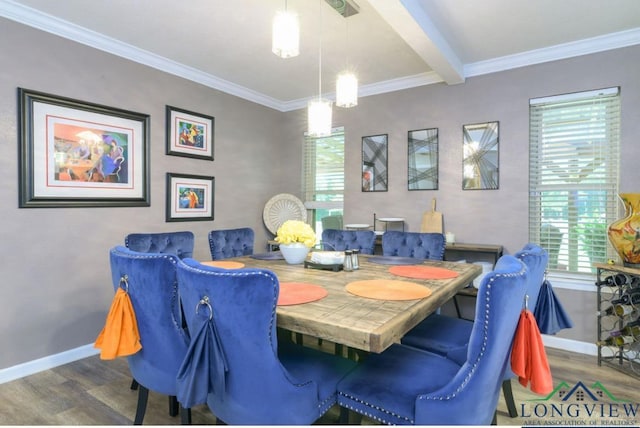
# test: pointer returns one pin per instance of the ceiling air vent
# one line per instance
(345, 8)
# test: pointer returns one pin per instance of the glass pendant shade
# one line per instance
(286, 35)
(347, 90)
(319, 118)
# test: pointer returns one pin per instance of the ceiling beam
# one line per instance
(410, 21)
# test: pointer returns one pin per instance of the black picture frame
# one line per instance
(189, 134)
(375, 154)
(79, 154)
(481, 156)
(422, 159)
(190, 197)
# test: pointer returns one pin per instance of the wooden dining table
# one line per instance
(362, 323)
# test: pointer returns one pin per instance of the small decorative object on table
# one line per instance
(624, 234)
(295, 239)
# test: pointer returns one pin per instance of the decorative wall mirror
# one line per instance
(423, 159)
(374, 163)
(480, 156)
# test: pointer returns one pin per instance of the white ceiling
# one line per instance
(390, 44)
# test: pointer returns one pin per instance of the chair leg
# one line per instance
(494, 421)
(455, 302)
(508, 398)
(143, 396)
(185, 416)
(173, 405)
(134, 384)
(344, 416)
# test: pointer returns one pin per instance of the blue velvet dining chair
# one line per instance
(341, 240)
(151, 282)
(179, 243)
(255, 380)
(450, 336)
(413, 244)
(410, 386)
(226, 243)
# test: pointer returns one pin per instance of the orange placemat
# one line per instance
(423, 272)
(224, 264)
(295, 293)
(385, 289)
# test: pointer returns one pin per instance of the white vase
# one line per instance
(294, 253)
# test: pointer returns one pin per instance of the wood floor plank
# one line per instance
(96, 392)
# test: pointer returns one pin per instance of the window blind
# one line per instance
(574, 152)
(323, 171)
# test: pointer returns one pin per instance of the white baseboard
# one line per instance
(570, 345)
(46, 363)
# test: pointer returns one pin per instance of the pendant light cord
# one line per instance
(320, 56)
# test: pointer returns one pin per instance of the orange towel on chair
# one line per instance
(528, 356)
(119, 336)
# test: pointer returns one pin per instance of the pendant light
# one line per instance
(347, 82)
(319, 110)
(286, 34)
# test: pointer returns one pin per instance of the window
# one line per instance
(573, 177)
(324, 178)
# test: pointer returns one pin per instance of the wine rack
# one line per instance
(618, 318)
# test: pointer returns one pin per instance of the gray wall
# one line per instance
(56, 287)
(483, 216)
(56, 282)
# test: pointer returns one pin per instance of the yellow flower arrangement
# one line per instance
(292, 231)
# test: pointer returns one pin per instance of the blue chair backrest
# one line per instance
(340, 240)
(413, 244)
(536, 259)
(243, 301)
(153, 290)
(178, 243)
(227, 243)
(470, 398)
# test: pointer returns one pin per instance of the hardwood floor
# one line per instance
(96, 392)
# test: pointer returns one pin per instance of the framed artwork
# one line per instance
(189, 197)
(480, 156)
(374, 163)
(189, 134)
(423, 159)
(78, 154)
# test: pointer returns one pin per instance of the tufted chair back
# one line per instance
(405, 385)
(153, 290)
(178, 243)
(536, 259)
(340, 240)
(412, 244)
(472, 395)
(258, 387)
(228, 243)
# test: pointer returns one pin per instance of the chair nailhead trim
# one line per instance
(373, 406)
(485, 337)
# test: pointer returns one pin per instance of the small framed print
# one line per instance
(189, 197)
(189, 134)
(374, 163)
(480, 145)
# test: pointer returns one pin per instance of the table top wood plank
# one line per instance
(362, 323)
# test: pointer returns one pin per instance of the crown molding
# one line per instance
(554, 53)
(382, 87)
(45, 22)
